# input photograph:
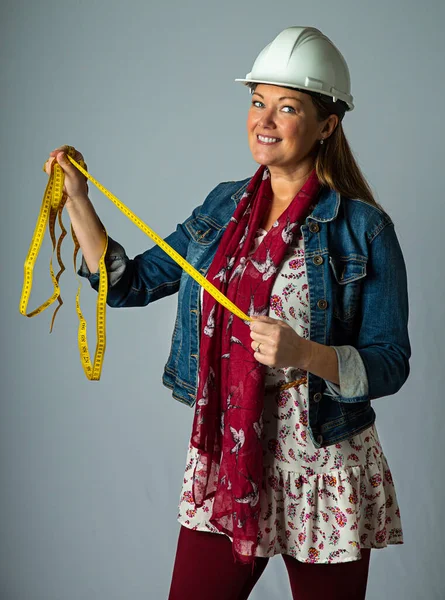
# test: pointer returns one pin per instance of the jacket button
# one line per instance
(317, 260)
(320, 439)
(314, 228)
(322, 304)
(317, 397)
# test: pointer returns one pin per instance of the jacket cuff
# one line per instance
(115, 263)
(352, 374)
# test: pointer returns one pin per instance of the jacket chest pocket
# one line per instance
(205, 237)
(203, 230)
(347, 282)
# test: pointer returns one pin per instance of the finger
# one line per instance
(57, 150)
(48, 164)
(261, 358)
(78, 156)
(262, 327)
(258, 322)
(259, 337)
(263, 347)
(65, 163)
(265, 319)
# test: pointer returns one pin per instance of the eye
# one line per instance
(291, 109)
(257, 103)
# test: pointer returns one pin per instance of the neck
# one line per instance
(287, 184)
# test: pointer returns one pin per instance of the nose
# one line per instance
(267, 119)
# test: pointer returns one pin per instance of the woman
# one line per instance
(284, 456)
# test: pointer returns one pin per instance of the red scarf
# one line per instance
(228, 424)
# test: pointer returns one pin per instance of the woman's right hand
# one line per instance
(75, 182)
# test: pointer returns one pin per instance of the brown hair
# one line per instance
(335, 164)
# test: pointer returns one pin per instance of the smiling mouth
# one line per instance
(267, 140)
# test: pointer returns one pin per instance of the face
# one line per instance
(282, 127)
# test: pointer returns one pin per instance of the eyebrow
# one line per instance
(282, 97)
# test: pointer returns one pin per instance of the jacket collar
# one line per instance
(326, 208)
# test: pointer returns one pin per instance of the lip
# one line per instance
(267, 143)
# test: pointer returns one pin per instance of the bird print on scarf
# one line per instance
(210, 327)
(252, 497)
(267, 268)
(238, 438)
(287, 233)
(221, 275)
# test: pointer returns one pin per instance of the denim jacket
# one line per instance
(357, 285)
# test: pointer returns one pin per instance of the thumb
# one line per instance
(64, 162)
(62, 159)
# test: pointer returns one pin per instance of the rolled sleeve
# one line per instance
(383, 340)
(115, 263)
(378, 364)
(352, 375)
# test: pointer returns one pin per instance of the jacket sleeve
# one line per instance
(379, 364)
(145, 278)
(352, 374)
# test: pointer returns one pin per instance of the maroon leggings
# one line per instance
(204, 569)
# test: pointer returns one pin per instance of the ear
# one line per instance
(330, 126)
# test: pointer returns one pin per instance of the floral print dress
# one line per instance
(317, 505)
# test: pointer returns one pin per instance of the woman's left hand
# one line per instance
(279, 344)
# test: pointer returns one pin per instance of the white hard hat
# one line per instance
(303, 58)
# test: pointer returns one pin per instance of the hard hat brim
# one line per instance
(296, 87)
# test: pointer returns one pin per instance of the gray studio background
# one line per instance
(91, 471)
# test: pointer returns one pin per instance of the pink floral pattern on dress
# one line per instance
(318, 505)
(276, 306)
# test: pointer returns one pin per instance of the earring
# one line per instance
(322, 141)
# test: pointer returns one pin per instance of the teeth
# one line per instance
(267, 140)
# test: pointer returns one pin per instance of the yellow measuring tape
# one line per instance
(51, 208)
